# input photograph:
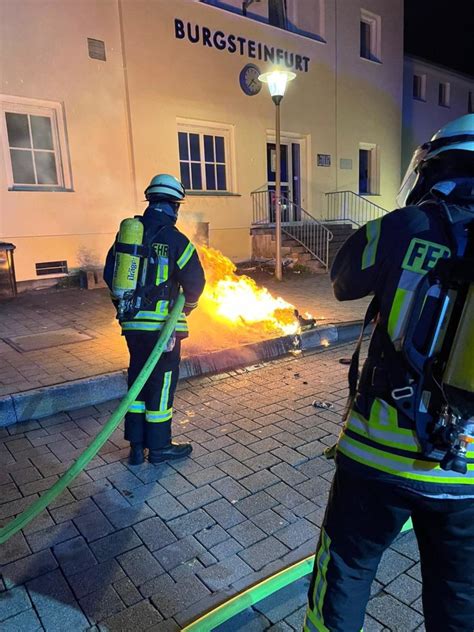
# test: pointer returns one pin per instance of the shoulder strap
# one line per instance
(370, 315)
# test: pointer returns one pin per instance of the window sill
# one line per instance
(419, 99)
(212, 194)
(33, 188)
(374, 60)
(442, 105)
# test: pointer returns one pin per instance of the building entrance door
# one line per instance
(290, 161)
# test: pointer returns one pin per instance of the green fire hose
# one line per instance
(90, 452)
(249, 597)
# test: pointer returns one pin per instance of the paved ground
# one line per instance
(91, 312)
(151, 547)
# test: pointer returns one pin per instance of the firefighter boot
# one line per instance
(136, 455)
(170, 452)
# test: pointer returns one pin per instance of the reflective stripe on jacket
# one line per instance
(388, 258)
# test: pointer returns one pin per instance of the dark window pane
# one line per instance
(209, 148)
(416, 86)
(41, 131)
(364, 171)
(196, 176)
(46, 167)
(18, 132)
(22, 166)
(221, 179)
(195, 149)
(210, 177)
(271, 162)
(284, 163)
(220, 150)
(365, 40)
(183, 146)
(184, 168)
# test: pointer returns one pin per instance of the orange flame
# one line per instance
(237, 300)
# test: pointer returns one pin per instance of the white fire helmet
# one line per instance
(456, 135)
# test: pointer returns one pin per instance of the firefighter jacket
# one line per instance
(388, 257)
(173, 264)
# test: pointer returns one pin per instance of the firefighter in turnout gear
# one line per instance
(150, 262)
(407, 451)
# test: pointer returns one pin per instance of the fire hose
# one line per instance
(90, 452)
(249, 597)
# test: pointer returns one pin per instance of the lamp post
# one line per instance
(277, 80)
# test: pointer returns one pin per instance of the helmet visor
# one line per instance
(411, 175)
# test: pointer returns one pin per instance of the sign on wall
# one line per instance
(239, 45)
(324, 160)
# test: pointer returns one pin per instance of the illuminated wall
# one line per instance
(121, 116)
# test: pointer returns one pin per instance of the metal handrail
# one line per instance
(348, 206)
(295, 222)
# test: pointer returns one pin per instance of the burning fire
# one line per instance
(238, 301)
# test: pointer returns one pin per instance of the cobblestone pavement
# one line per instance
(91, 313)
(151, 547)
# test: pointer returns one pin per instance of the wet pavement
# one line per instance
(152, 547)
(81, 338)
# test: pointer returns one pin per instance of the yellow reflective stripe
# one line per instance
(159, 416)
(401, 466)
(326, 540)
(162, 270)
(141, 326)
(165, 391)
(137, 407)
(399, 312)
(372, 230)
(186, 256)
(312, 620)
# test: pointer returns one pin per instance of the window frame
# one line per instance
(446, 93)
(53, 111)
(205, 128)
(375, 25)
(422, 96)
(374, 172)
(221, 5)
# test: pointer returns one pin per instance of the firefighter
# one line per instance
(382, 476)
(170, 264)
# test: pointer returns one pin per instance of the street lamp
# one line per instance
(277, 81)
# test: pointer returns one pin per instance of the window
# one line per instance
(204, 154)
(444, 93)
(419, 87)
(368, 169)
(370, 36)
(305, 17)
(34, 143)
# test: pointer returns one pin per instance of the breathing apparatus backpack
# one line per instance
(130, 267)
(438, 348)
(430, 378)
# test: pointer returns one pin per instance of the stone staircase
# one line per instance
(291, 248)
(340, 232)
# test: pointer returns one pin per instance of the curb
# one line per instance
(49, 400)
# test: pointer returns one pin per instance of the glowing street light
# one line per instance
(277, 80)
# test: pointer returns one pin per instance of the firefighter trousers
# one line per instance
(363, 517)
(148, 420)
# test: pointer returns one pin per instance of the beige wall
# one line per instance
(421, 119)
(44, 56)
(169, 79)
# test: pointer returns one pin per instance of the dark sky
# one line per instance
(441, 31)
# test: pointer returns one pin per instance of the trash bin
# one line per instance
(7, 270)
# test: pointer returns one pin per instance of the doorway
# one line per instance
(290, 160)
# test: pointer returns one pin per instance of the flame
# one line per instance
(238, 301)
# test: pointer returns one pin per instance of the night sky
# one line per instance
(441, 31)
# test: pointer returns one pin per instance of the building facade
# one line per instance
(97, 96)
(432, 96)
